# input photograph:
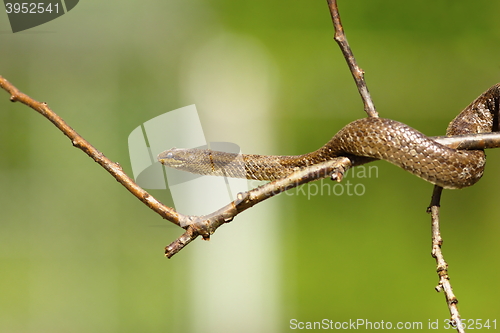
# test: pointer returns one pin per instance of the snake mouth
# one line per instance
(171, 162)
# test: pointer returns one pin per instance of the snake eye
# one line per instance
(169, 155)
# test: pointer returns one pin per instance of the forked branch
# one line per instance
(195, 225)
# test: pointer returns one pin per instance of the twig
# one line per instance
(442, 267)
(113, 168)
(356, 71)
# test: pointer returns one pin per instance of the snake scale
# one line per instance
(362, 141)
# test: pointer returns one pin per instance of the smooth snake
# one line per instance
(362, 141)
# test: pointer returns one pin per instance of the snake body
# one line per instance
(362, 141)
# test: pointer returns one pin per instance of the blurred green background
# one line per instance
(78, 253)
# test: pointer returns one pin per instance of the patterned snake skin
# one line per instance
(363, 141)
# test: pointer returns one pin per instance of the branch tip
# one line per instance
(356, 71)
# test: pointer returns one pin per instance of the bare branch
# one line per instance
(442, 266)
(356, 71)
(113, 168)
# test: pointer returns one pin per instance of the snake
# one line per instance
(365, 140)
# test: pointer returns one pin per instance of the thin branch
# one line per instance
(442, 267)
(356, 71)
(113, 168)
(470, 141)
(477, 141)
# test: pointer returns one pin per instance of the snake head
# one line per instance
(204, 162)
(174, 158)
